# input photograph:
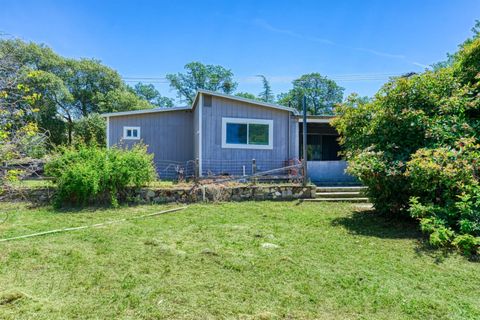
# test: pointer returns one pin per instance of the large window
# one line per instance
(247, 133)
(321, 147)
(131, 133)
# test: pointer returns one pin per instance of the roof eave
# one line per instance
(241, 99)
(144, 111)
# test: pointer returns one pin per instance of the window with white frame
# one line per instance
(131, 133)
(243, 133)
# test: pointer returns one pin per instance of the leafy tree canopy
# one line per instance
(246, 95)
(20, 136)
(200, 76)
(68, 88)
(266, 95)
(322, 94)
(149, 93)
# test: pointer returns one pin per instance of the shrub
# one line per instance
(88, 174)
(416, 146)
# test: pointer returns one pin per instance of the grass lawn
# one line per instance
(218, 261)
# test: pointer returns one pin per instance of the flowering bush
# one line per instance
(416, 146)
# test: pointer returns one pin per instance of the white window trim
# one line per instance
(269, 146)
(131, 128)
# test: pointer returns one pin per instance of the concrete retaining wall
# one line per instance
(329, 173)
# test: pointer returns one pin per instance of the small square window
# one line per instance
(131, 133)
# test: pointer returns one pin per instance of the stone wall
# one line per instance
(207, 193)
(34, 195)
(215, 193)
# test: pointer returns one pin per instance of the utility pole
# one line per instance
(304, 162)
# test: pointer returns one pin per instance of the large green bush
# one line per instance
(89, 174)
(416, 145)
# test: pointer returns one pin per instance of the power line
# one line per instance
(341, 77)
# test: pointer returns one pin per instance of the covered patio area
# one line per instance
(324, 165)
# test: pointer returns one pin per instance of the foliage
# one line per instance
(322, 94)
(246, 95)
(87, 174)
(416, 146)
(68, 89)
(445, 183)
(121, 100)
(201, 76)
(266, 95)
(91, 130)
(451, 58)
(150, 94)
(20, 136)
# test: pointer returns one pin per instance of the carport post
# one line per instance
(304, 160)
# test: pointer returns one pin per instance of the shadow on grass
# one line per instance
(371, 223)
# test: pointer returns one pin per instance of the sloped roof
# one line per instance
(201, 91)
(241, 99)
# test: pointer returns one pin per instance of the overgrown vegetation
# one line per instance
(88, 174)
(416, 145)
(20, 136)
(213, 261)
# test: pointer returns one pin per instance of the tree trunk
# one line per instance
(70, 131)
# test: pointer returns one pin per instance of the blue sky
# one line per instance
(350, 41)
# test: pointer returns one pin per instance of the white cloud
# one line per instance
(381, 54)
(267, 26)
(421, 65)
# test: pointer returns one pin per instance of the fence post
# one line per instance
(304, 161)
(196, 170)
(254, 170)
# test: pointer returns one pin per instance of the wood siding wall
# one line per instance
(168, 136)
(216, 160)
(173, 136)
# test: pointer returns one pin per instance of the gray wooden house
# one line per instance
(225, 133)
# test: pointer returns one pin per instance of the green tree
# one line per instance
(89, 81)
(121, 100)
(266, 95)
(322, 94)
(149, 93)
(20, 137)
(201, 76)
(68, 89)
(91, 130)
(246, 95)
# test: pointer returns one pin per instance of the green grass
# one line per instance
(208, 261)
(33, 183)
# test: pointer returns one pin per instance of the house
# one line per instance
(225, 133)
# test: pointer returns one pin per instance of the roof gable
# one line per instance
(241, 99)
(192, 107)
